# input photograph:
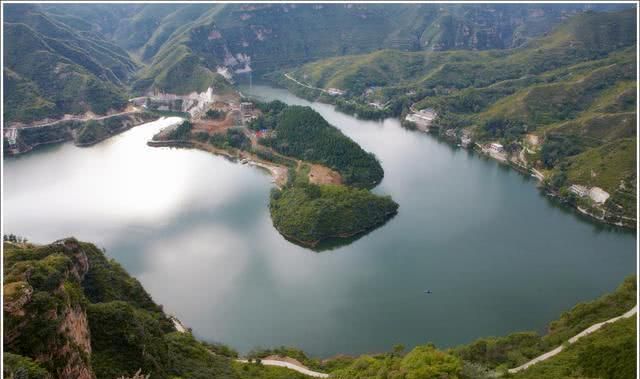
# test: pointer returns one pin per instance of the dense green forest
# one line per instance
(302, 133)
(309, 213)
(51, 69)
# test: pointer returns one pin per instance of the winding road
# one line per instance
(573, 339)
(299, 368)
(78, 118)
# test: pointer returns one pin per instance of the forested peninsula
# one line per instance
(323, 177)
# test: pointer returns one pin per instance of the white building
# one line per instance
(335, 91)
(579, 190)
(498, 148)
(11, 134)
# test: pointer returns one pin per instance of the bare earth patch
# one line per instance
(215, 126)
(319, 174)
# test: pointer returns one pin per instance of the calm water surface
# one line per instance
(195, 230)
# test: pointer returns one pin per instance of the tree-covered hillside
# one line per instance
(70, 312)
(51, 69)
(176, 39)
(309, 213)
(301, 132)
(563, 104)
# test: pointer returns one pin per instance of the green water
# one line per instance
(195, 230)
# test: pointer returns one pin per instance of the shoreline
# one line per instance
(72, 133)
(313, 244)
(529, 171)
(278, 173)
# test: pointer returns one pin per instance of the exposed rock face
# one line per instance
(17, 294)
(70, 342)
(76, 328)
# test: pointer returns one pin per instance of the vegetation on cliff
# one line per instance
(71, 312)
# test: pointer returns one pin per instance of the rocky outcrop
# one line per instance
(69, 342)
(75, 327)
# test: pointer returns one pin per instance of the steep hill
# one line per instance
(69, 312)
(562, 103)
(270, 36)
(191, 41)
(51, 69)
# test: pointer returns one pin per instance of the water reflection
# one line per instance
(195, 229)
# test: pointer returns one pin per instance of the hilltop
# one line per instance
(111, 50)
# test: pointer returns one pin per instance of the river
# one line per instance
(195, 229)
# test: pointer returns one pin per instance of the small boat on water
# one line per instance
(427, 291)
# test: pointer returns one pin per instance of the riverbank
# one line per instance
(84, 132)
(278, 173)
(594, 213)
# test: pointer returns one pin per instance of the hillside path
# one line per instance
(573, 339)
(305, 85)
(78, 118)
(299, 368)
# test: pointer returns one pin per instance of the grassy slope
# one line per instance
(607, 353)
(575, 85)
(282, 35)
(518, 348)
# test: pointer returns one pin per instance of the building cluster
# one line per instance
(195, 103)
(495, 150)
(335, 91)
